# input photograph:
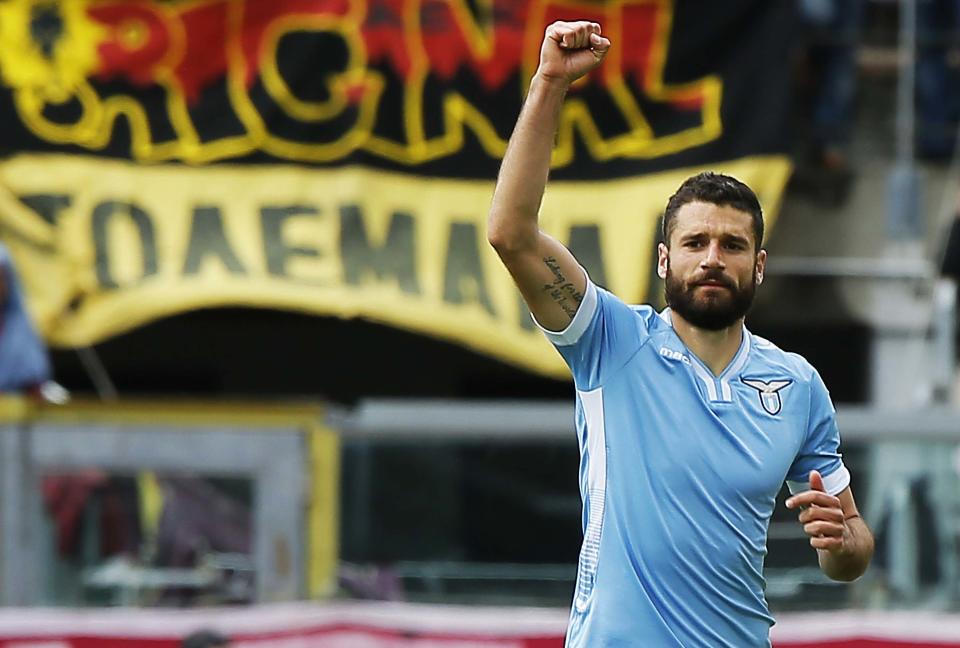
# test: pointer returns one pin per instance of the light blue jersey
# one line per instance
(679, 471)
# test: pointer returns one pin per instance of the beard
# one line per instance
(714, 311)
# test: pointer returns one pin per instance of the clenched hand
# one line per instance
(570, 50)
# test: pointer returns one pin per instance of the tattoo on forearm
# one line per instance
(562, 291)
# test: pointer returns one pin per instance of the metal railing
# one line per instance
(270, 447)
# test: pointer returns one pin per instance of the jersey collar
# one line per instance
(718, 387)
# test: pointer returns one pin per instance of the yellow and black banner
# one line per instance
(337, 156)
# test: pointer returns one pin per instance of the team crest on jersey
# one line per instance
(769, 392)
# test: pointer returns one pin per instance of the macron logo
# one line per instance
(674, 355)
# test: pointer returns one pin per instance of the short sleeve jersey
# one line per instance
(679, 472)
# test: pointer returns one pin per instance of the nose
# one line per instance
(713, 257)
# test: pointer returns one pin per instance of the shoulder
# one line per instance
(774, 359)
(649, 315)
(643, 314)
(653, 321)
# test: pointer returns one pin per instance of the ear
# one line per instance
(663, 260)
(761, 265)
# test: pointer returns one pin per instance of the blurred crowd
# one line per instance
(839, 38)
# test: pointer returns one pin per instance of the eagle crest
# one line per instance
(769, 392)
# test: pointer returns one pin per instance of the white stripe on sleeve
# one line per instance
(581, 319)
(835, 482)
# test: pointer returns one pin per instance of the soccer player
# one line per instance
(688, 424)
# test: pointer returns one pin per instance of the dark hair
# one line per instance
(205, 639)
(716, 189)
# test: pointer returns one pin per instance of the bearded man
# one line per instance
(688, 423)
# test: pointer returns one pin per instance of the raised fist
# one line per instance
(570, 50)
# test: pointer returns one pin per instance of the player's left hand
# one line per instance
(821, 516)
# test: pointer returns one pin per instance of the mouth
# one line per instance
(712, 283)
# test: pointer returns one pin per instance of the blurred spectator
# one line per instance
(833, 33)
(68, 498)
(199, 518)
(370, 582)
(828, 87)
(24, 366)
(950, 268)
(950, 273)
(937, 96)
(205, 639)
(833, 30)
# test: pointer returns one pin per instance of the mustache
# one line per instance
(716, 277)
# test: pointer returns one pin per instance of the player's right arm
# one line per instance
(548, 276)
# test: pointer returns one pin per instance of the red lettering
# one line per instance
(386, 37)
(639, 23)
(492, 48)
(639, 60)
(204, 59)
(136, 43)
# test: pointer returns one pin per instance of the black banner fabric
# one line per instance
(136, 133)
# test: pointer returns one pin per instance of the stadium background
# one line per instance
(253, 235)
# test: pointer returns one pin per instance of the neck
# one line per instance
(715, 348)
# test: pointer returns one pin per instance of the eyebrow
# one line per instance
(735, 238)
(723, 237)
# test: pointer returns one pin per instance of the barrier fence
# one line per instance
(290, 455)
(394, 625)
(283, 451)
